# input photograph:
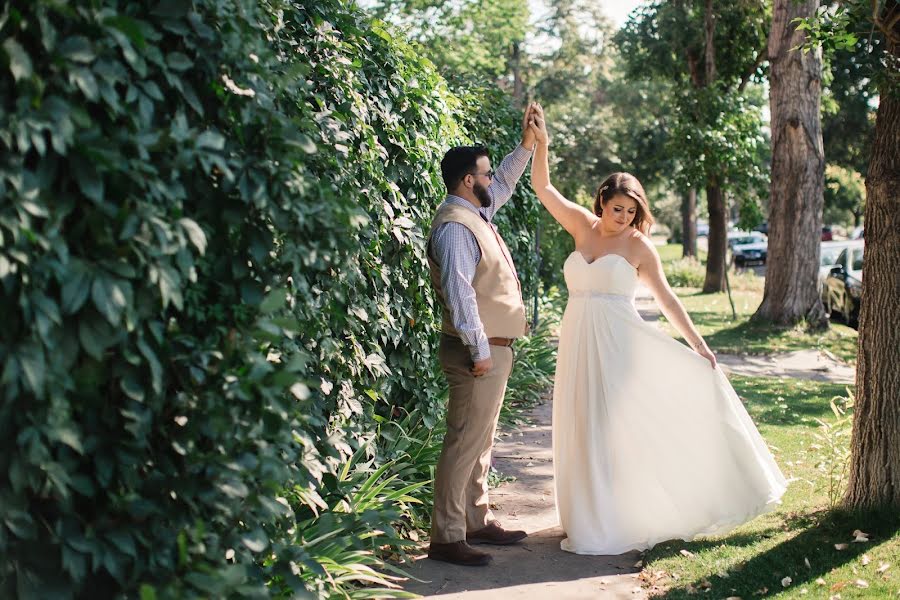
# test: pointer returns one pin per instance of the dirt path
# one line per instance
(536, 569)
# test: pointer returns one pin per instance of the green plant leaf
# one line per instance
(19, 61)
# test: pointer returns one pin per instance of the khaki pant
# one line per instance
(460, 486)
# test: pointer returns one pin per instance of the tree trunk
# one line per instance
(798, 173)
(689, 223)
(516, 65)
(709, 54)
(875, 445)
(715, 257)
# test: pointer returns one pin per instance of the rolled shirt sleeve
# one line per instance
(456, 251)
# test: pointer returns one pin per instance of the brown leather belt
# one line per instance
(501, 341)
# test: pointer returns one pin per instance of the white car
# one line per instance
(828, 256)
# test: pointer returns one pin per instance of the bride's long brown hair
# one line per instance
(627, 185)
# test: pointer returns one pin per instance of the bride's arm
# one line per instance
(650, 272)
(571, 216)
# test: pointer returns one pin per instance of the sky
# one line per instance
(616, 10)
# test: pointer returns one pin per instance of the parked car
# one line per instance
(762, 227)
(842, 290)
(828, 256)
(827, 235)
(745, 237)
(702, 228)
(858, 233)
(748, 254)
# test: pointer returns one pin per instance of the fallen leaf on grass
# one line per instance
(786, 582)
(820, 581)
(806, 562)
(839, 586)
(686, 553)
(865, 559)
(860, 536)
(883, 567)
(861, 583)
(734, 598)
(804, 591)
(761, 591)
(841, 546)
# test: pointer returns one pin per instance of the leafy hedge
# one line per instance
(213, 283)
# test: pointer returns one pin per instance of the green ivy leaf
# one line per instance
(111, 297)
(95, 335)
(178, 61)
(21, 524)
(19, 61)
(256, 540)
(31, 360)
(77, 48)
(75, 289)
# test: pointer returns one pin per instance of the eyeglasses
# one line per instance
(489, 174)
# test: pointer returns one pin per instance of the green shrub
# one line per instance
(213, 283)
(685, 272)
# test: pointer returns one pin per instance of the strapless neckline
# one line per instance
(601, 257)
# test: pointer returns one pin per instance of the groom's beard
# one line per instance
(482, 194)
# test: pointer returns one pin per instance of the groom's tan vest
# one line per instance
(496, 285)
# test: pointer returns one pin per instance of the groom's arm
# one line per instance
(505, 178)
(457, 254)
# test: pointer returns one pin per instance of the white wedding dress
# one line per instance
(649, 442)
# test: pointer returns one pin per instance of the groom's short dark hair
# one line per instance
(459, 162)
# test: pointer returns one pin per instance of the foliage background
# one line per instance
(219, 338)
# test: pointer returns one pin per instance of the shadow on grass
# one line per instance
(802, 400)
(674, 547)
(764, 338)
(814, 542)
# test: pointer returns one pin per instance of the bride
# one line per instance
(650, 441)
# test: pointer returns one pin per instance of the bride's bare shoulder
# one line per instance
(642, 247)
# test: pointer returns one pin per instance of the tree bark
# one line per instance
(715, 199)
(715, 257)
(516, 65)
(689, 223)
(798, 173)
(875, 445)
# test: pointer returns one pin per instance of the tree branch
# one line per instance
(760, 57)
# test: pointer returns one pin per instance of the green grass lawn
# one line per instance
(797, 540)
(711, 314)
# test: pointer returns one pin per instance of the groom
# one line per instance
(479, 292)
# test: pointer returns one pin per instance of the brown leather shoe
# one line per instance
(494, 534)
(458, 553)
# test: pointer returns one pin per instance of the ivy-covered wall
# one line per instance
(212, 281)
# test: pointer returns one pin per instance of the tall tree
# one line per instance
(480, 38)
(798, 172)
(875, 461)
(569, 74)
(874, 480)
(709, 52)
